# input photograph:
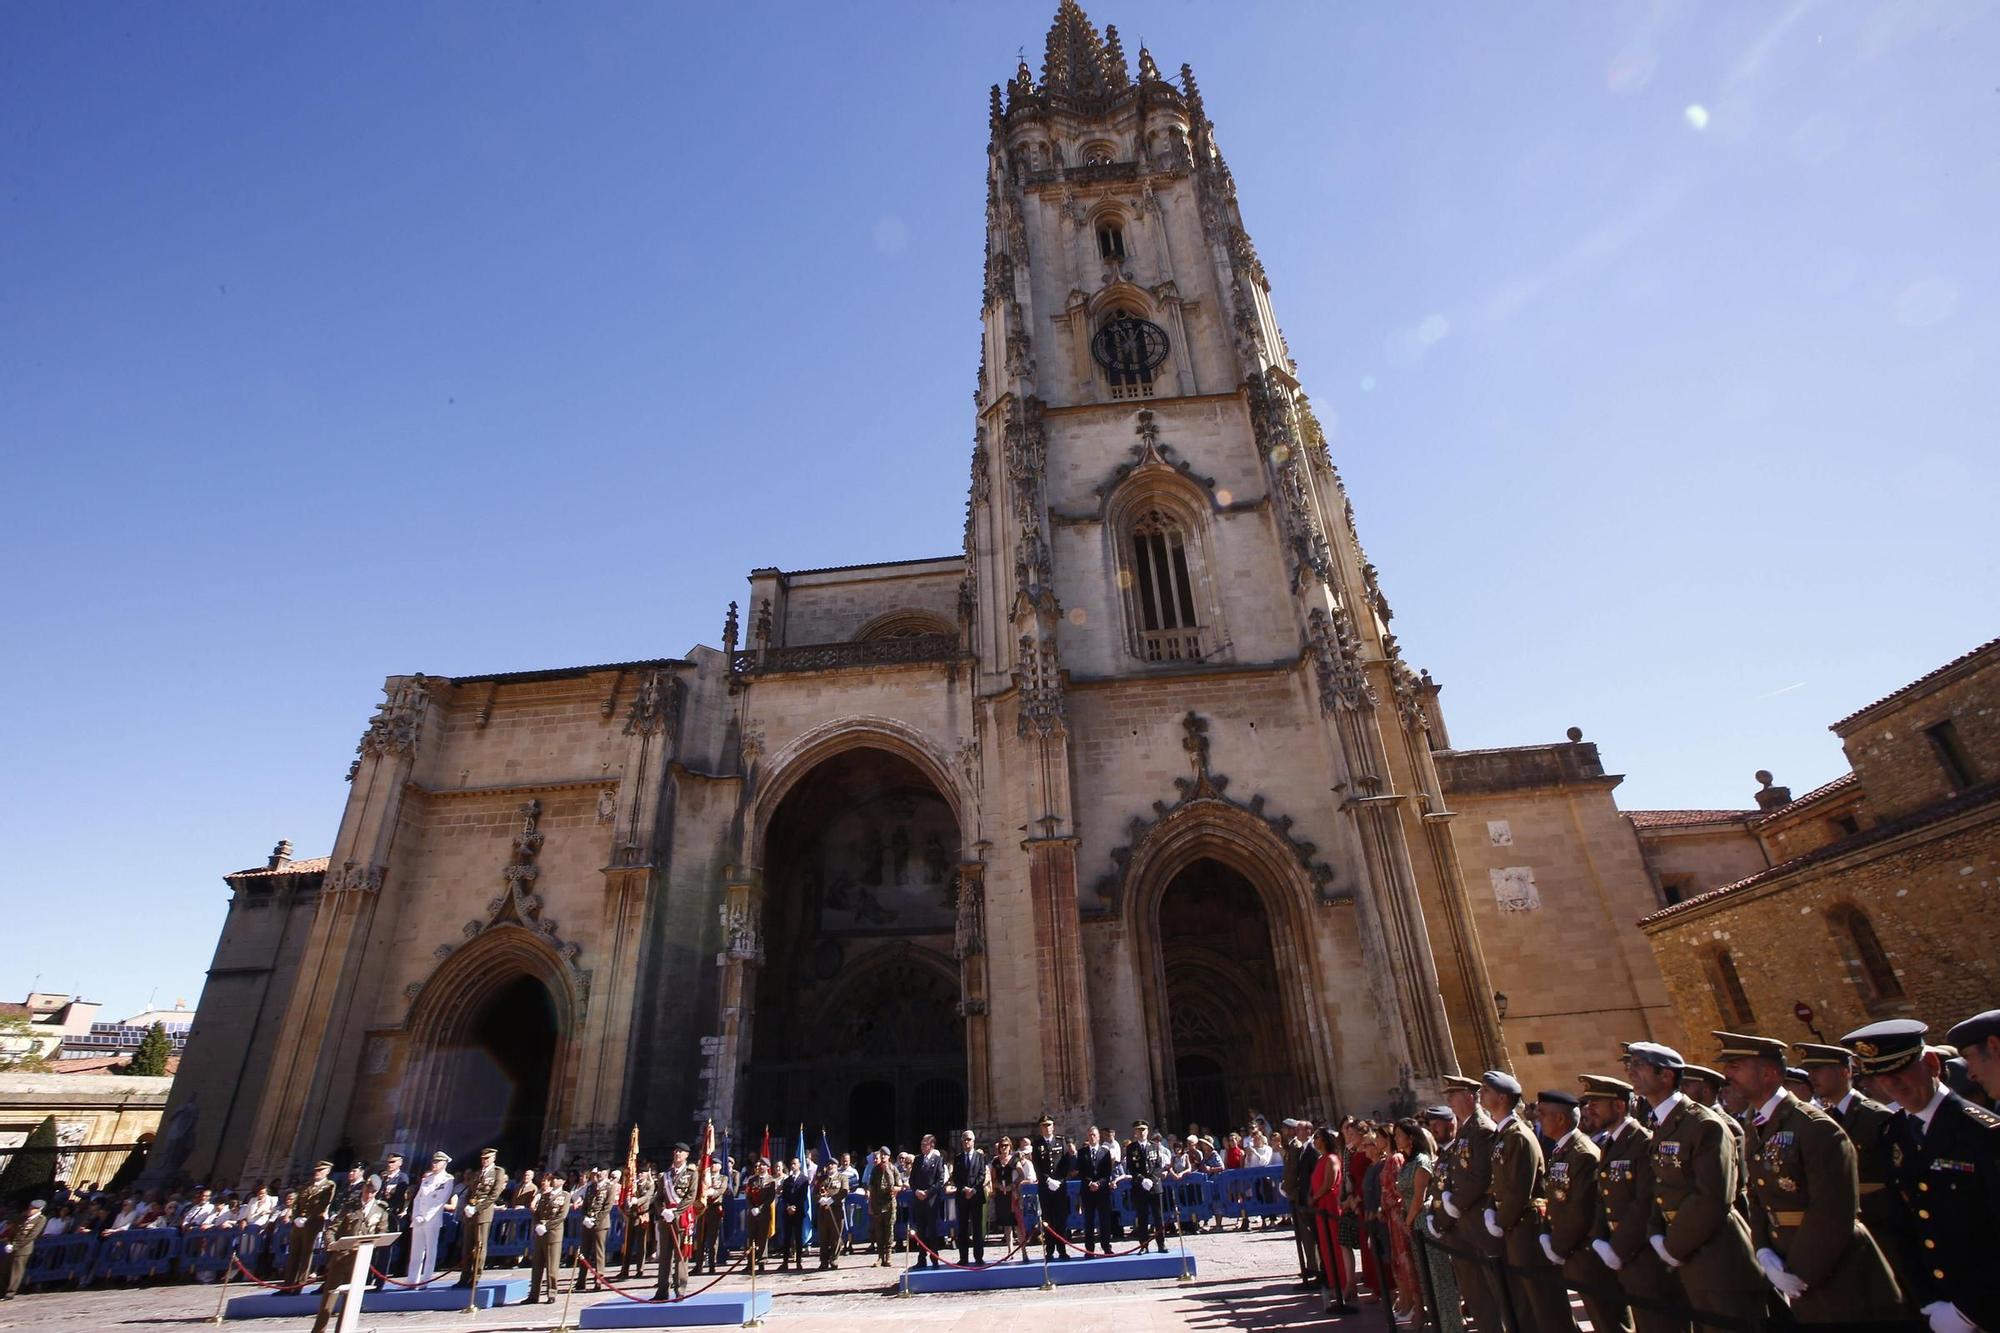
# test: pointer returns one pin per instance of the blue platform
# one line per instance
(711, 1307)
(441, 1296)
(1062, 1272)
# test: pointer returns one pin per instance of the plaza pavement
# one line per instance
(1245, 1281)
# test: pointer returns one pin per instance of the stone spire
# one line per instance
(1114, 54)
(1076, 63)
(1149, 69)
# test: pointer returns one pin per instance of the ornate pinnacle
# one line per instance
(729, 631)
(1114, 53)
(1074, 61)
(993, 110)
(1149, 71)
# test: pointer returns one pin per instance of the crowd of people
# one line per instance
(1760, 1187)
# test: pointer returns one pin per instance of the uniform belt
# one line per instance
(1790, 1218)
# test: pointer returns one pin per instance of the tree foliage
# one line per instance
(154, 1049)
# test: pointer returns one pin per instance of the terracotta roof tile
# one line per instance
(311, 866)
(1684, 818)
(1955, 662)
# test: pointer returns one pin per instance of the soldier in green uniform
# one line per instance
(548, 1213)
(18, 1248)
(638, 1223)
(1698, 1232)
(830, 1214)
(482, 1196)
(708, 1225)
(309, 1213)
(361, 1214)
(1707, 1087)
(760, 1213)
(1511, 1217)
(1468, 1174)
(1866, 1123)
(596, 1224)
(675, 1200)
(1625, 1193)
(1571, 1213)
(883, 1183)
(1945, 1156)
(1805, 1197)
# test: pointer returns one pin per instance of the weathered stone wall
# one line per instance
(1927, 894)
(1897, 763)
(835, 605)
(88, 1109)
(1699, 858)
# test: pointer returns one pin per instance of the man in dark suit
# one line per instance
(1054, 1165)
(394, 1196)
(967, 1182)
(1945, 1156)
(1096, 1167)
(795, 1205)
(927, 1184)
(1142, 1165)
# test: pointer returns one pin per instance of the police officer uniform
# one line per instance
(310, 1208)
(1945, 1161)
(1805, 1205)
(482, 1196)
(1142, 1167)
(547, 1215)
(1054, 1164)
(1096, 1168)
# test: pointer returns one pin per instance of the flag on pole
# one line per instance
(805, 1165)
(766, 1153)
(825, 1149)
(631, 1170)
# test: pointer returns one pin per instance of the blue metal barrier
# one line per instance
(141, 1253)
(61, 1259)
(512, 1228)
(1251, 1191)
(208, 1249)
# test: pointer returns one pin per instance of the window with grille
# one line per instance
(1163, 591)
(1134, 378)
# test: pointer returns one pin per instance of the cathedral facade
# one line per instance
(1130, 807)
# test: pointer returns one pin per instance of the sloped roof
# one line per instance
(1684, 818)
(310, 866)
(1919, 682)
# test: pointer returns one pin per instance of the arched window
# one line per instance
(1134, 377)
(1110, 239)
(1730, 997)
(1163, 595)
(1098, 154)
(1866, 958)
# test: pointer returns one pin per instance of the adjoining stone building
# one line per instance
(1876, 893)
(1132, 806)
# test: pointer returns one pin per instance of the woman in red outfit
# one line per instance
(1360, 1157)
(1323, 1196)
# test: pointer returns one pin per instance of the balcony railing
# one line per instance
(835, 656)
(1170, 645)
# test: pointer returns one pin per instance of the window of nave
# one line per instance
(1169, 603)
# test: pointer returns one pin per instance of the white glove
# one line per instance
(1789, 1284)
(298, 1221)
(1548, 1248)
(1660, 1248)
(468, 1210)
(1431, 1225)
(1145, 1184)
(1945, 1318)
(1603, 1250)
(1493, 1223)
(590, 1223)
(541, 1228)
(1450, 1208)
(8, 1248)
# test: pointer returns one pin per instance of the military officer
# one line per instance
(830, 1215)
(1510, 1214)
(548, 1214)
(1054, 1165)
(1700, 1235)
(596, 1224)
(1096, 1167)
(435, 1194)
(708, 1225)
(884, 1182)
(483, 1193)
(1142, 1167)
(760, 1213)
(638, 1223)
(310, 1208)
(1468, 1175)
(1866, 1123)
(361, 1214)
(1978, 1042)
(675, 1200)
(1625, 1193)
(1945, 1157)
(968, 1181)
(926, 1201)
(1572, 1213)
(395, 1199)
(1805, 1196)
(1709, 1087)
(19, 1247)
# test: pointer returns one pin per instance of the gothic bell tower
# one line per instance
(1162, 576)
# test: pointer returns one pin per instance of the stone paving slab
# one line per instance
(1246, 1280)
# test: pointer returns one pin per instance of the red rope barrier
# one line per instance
(991, 1263)
(1087, 1254)
(606, 1283)
(277, 1286)
(410, 1286)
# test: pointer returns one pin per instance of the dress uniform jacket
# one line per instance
(1949, 1180)
(1518, 1193)
(355, 1219)
(1468, 1177)
(1867, 1123)
(482, 1195)
(1696, 1186)
(20, 1249)
(550, 1209)
(309, 1213)
(1804, 1204)
(1625, 1196)
(1575, 1220)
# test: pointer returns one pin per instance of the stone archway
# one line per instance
(492, 1038)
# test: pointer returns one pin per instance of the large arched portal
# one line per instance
(857, 1028)
(1225, 1020)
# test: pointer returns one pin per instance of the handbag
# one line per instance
(1350, 1231)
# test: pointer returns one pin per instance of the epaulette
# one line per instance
(1981, 1117)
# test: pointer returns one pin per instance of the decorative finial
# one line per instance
(1764, 777)
(1114, 55)
(763, 628)
(729, 631)
(1149, 70)
(281, 855)
(1575, 735)
(993, 109)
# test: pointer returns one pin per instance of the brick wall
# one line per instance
(1898, 763)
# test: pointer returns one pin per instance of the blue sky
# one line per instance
(336, 341)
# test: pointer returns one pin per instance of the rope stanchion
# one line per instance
(410, 1286)
(1067, 1241)
(607, 1284)
(970, 1268)
(295, 1289)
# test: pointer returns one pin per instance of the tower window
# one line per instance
(1098, 154)
(1111, 241)
(1163, 590)
(1951, 754)
(1130, 349)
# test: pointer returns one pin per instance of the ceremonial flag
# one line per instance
(825, 1151)
(805, 1166)
(766, 1153)
(631, 1170)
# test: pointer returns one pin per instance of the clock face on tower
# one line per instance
(1130, 346)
